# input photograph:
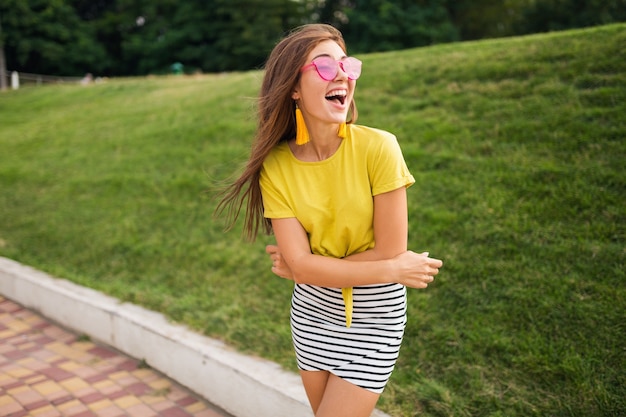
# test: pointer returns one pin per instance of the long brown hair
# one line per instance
(276, 121)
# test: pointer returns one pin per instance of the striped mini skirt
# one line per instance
(364, 353)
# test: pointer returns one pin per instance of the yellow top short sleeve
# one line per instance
(332, 198)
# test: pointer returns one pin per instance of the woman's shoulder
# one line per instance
(370, 135)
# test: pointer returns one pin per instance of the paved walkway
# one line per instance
(46, 371)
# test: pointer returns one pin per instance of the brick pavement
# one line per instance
(47, 371)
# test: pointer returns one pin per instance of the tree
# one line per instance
(47, 36)
(134, 37)
(92, 10)
(384, 25)
(332, 12)
(549, 15)
(3, 63)
(479, 19)
(251, 28)
(215, 35)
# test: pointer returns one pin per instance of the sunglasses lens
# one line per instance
(352, 67)
(326, 68)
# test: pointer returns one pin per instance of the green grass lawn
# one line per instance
(518, 147)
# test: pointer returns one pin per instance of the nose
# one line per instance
(341, 72)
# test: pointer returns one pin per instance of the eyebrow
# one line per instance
(328, 55)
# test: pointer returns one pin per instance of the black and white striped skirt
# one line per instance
(363, 354)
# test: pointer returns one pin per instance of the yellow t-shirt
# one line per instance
(333, 198)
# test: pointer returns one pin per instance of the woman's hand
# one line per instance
(416, 270)
(279, 266)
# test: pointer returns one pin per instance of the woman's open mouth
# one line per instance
(338, 95)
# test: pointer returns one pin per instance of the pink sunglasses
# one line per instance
(327, 68)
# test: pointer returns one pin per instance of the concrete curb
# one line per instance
(241, 385)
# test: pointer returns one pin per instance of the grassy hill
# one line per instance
(518, 147)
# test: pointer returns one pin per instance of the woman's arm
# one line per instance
(390, 227)
(388, 261)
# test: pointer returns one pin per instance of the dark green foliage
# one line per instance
(219, 35)
(49, 37)
(137, 37)
(383, 25)
(550, 15)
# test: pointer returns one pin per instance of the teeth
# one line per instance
(335, 93)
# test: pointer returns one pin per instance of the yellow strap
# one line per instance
(347, 300)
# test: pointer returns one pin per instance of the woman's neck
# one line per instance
(322, 144)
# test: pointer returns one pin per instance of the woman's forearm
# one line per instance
(359, 269)
(408, 268)
(372, 255)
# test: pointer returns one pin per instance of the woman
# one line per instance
(334, 195)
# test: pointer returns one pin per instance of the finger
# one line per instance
(435, 263)
(271, 249)
(433, 271)
(424, 277)
(420, 285)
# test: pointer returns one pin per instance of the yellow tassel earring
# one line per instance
(302, 134)
(341, 132)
